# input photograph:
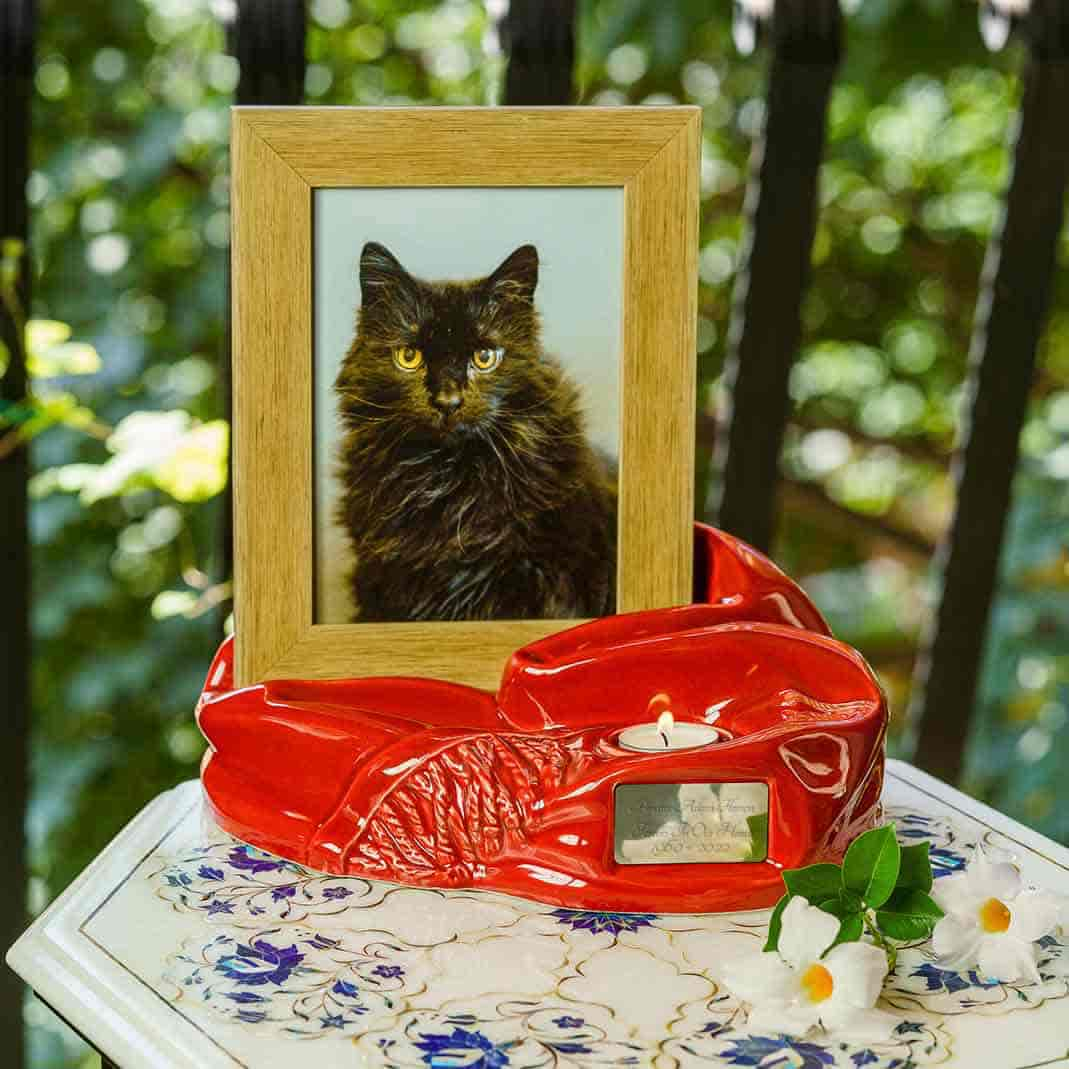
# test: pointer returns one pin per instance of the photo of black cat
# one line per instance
(468, 486)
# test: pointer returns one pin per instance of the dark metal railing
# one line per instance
(805, 39)
(267, 39)
(1010, 316)
(781, 219)
(16, 87)
(539, 39)
(1009, 320)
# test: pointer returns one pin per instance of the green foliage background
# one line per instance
(129, 214)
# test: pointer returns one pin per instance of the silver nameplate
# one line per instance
(690, 823)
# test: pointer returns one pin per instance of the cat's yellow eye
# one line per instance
(408, 359)
(486, 359)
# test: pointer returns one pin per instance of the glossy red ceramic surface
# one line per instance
(439, 785)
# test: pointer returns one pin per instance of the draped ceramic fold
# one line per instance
(434, 784)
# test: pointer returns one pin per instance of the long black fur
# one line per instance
(501, 510)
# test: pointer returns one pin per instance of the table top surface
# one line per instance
(179, 947)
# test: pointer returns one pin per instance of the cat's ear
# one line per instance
(517, 276)
(381, 273)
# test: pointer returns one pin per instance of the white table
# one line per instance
(179, 948)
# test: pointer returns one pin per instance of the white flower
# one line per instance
(992, 920)
(794, 988)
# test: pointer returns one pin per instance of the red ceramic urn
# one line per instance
(669, 761)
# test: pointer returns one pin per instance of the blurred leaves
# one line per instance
(50, 354)
(130, 216)
(915, 166)
(162, 450)
(129, 212)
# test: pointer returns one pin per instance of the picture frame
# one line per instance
(281, 157)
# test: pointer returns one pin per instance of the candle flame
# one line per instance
(665, 724)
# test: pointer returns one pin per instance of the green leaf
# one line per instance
(775, 923)
(42, 334)
(851, 923)
(161, 449)
(197, 469)
(68, 358)
(850, 902)
(12, 248)
(870, 867)
(815, 883)
(68, 479)
(850, 930)
(915, 870)
(846, 906)
(908, 914)
(168, 603)
(52, 408)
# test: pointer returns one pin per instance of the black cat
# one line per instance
(469, 489)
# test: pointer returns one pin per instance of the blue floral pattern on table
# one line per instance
(462, 1047)
(725, 1040)
(582, 920)
(260, 963)
(298, 954)
(768, 1050)
(520, 1035)
(947, 850)
(465, 1040)
(300, 981)
(921, 981)
(228, 879)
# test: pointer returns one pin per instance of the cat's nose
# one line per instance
(447, 401)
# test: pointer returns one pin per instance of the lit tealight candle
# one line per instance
(666, 734)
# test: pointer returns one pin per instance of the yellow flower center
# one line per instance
(994, 916)
(817, 983)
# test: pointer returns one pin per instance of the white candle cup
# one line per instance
(666, 735)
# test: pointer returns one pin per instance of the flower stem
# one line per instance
(880, 939)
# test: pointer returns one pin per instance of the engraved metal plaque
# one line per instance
(690, 823)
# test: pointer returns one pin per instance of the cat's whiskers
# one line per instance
(528, 447)
(532, 490)
(506, 485)
(546, 400)
(539, 431)
(476, 518)
(348, 395)
(376, 420)
(372, 448)
(461, 513)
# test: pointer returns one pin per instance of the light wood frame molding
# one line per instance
(280, 156)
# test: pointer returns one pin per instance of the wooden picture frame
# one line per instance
(280, 157)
